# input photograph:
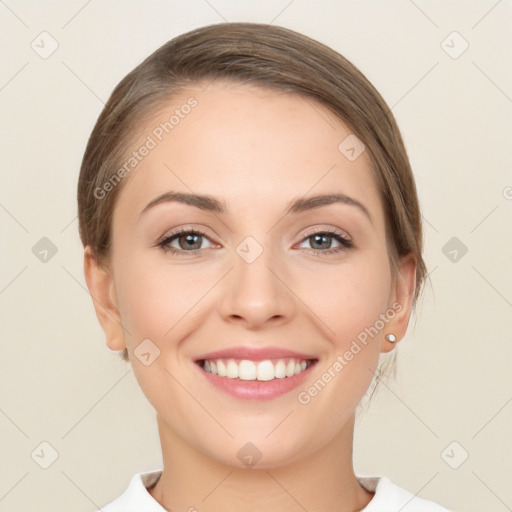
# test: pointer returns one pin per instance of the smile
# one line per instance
(248, 370)
(245, 379)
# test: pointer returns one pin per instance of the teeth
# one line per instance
(255, 370)
(221, 368)
(232, 370)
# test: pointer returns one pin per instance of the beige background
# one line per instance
(61, 385)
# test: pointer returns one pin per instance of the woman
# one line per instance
(253, 243)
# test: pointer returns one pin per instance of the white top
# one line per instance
(388, 497)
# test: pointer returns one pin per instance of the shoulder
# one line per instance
(389, 497)
(136, 497)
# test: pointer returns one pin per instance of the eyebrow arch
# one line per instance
(298, 205)
(308, 203)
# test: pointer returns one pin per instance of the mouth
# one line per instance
(248, 379)
(248, 370)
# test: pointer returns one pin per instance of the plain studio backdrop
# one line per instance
(74, 426)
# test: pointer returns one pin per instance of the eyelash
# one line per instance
(345, 242)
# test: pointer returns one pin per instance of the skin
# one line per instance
(255, 149)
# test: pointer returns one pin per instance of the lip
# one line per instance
(254, 354)
(256, 389)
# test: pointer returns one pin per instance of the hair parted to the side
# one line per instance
(268, 56)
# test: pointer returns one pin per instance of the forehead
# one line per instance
(249, 146)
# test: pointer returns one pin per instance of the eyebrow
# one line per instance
(298, 205)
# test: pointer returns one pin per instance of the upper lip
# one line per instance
(254, 354)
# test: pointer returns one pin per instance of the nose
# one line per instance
(256, 292)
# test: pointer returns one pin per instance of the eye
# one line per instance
(184, 241)
(191, 241)
(322, 242)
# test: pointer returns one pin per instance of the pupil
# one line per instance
(321, 238)
(190, 240)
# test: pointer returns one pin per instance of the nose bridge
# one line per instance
(254, 292)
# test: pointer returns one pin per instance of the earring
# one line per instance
(391, 338)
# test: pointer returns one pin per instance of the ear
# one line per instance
(401, 299)
(101, 287)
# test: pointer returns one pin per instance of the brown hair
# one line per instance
(264, 55)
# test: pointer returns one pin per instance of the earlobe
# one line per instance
(401, 302)
(101, 287)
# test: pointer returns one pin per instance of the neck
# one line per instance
(325, 480)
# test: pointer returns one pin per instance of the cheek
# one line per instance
(350, 298)
(153, 303)
(352, 302)
(158, 301)
(161, 302)
(157, 304)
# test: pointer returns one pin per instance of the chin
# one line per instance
(264, 454)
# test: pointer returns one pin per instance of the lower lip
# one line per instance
(257, 389)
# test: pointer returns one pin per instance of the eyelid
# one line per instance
(343, 239)
(164, 241)
(331, 230)
(309, 232)
(203, 231)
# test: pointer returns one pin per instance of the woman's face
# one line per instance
(259, 275)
